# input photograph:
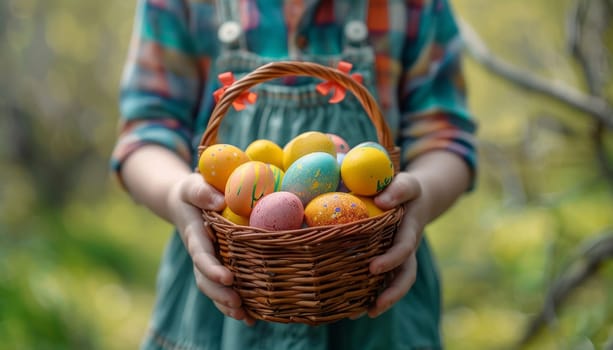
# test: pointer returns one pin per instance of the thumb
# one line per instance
(403, 188)
(202, 195)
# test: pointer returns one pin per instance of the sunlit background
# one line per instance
(78, 258)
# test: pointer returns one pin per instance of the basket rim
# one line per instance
(308, 235)
(280, 69)
(303, 235)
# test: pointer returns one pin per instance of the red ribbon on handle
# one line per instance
(339, 91)
(245, 97)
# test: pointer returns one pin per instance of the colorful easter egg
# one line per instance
(366, 171)
(372, 144)
(373, 209)
(247, 184)
(312, 175)
(305, 143)
(341, 145)
(278, 174)
(218, 161)
(341, 185)
(278, 211)
(234, 218)
(265, 151)
(339, 158)
(334, 208)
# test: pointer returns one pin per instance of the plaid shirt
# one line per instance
(417, 63)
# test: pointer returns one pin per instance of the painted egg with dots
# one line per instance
(372, 144)
(312, 175)
(246, 185)
(334, 208)
(278, 211)
(218, 161)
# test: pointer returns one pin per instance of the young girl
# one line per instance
(408, 54)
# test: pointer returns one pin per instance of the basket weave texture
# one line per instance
(313, 275)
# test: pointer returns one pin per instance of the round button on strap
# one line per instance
(356, 32)
(229, 32)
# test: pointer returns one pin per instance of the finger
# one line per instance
(236, 313)
(357, 315)
(403, 188)
(218, 293)
(404, 278)
(202, 195)
(201, 250)
(405, 244)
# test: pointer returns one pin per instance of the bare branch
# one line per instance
(594, 106)
(592, 57)
(591, 256)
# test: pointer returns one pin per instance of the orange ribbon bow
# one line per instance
(245, 97)
(339, 91)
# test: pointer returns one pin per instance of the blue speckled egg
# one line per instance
(311, 175)
(373, 145)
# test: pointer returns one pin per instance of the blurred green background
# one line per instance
(78, 258)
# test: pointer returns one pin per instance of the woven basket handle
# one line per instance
(280, 69)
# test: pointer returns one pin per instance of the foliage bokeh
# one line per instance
(78, 258)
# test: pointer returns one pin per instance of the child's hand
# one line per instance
(400, 258)
(431, 185)
(186, 200)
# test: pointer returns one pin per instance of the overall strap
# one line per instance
(355, 31)
(230, 32)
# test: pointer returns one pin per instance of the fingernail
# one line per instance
(355, 317)
(218, 201)
(385, 198)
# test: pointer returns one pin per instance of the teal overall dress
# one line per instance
(185, 318)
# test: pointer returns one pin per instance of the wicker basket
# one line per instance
(314, 275)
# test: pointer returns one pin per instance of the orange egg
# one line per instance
(334, 208)
(233, 217)
(218, 161)
(305, 143)
(367, 171)
(247, 184)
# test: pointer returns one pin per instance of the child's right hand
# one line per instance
(186, 200)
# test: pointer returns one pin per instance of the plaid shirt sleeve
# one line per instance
(433, 99)
(160, 83)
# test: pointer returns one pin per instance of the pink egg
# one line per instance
(341, 145)
(278, 211)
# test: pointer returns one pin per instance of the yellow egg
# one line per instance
(305, 143)
(235, 218)
(265, 151)
(247, 184)
(278, 174)
(366, 171)
(218, 161)
(373, 209)
(334, 208)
